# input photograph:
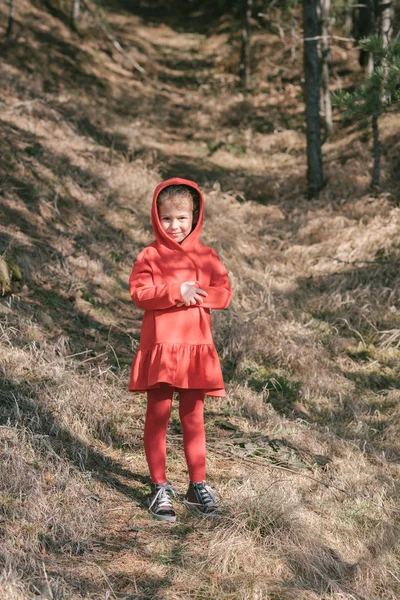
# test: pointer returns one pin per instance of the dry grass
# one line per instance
(304, 449)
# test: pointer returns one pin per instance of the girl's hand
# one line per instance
(191, 294)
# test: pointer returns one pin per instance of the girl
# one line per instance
(177, 280)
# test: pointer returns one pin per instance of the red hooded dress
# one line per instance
(176, 344)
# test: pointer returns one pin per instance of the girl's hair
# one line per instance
(179, 194)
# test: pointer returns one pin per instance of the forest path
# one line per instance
(198, 121)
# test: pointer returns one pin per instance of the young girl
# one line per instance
(177, 280)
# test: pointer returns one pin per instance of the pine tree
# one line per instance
(11, 20)
(75, 13)
(244, 69)
(312, 97)
(326, 104)
(380, 94)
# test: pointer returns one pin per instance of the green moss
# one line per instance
(86, 295)
(277, 388)
(15, 271)
(360, 355)
(234, 149)
(9, 272)
(117, 257)
(172, 556)
(5, 278)
(175, 425)
(35, 150)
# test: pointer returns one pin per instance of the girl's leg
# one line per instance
(159, 402)
(191, 414)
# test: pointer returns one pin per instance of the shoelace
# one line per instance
(206, 494)
(163, 498)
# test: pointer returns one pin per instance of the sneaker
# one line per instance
(201, 500)
(160, 502)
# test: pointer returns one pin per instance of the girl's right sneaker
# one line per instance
(201, 500)
(160, 502)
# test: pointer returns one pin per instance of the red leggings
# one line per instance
(191, 404)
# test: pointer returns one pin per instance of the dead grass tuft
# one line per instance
(11, 586)
(267, 541)
(44, 504)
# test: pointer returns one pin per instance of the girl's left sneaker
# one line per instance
(200, 499)
(160, 502)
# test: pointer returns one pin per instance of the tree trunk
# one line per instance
(386, 30)
(325, 62)
(376, 171)
(348, 25)
(387, 15)
(372, 6)
(11, 20)
(312, 97)
(364, 28)
(244, 69)
(75, 13)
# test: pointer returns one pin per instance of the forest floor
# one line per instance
(304, 451)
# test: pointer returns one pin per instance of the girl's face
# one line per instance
(176, 218)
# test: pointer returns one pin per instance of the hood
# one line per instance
(162, 238)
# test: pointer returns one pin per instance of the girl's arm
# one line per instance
(149, 296)
(219, 291)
